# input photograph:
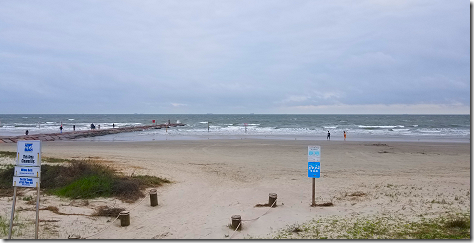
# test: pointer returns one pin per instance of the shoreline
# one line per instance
(215, 179)
(130, 137)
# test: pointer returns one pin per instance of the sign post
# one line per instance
(27, 174)
(314, 168)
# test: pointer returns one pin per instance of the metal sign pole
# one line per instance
(37, 202)
(13, 213)
(37, 210)
(314, 192)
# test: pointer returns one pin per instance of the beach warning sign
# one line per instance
(314, 153)
(29, 153)
(27, 174)
(314, 169)
(314, 161)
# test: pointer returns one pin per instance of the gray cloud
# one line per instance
(234, 56)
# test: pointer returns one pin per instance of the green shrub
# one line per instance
(87, 187)
(8, 154)
(84, 179)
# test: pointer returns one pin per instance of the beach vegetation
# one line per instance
(5, 226)
(85, 179)
(54, 160)
(17, 230)
(8, 154)
(452, 226)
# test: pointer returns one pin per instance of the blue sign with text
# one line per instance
(314, 169)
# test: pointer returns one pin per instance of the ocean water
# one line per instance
(237, 126)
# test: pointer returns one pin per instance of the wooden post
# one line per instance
(153, 197)
(13, 213)
(314, 192)
(236, 220)
(124, 218)
(272, 198)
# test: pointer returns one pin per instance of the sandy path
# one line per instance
(215, 179)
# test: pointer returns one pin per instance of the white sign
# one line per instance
(25, 181)
(314, 153)
(30, 171)
(29, 153)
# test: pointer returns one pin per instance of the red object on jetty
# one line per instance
(153, 121)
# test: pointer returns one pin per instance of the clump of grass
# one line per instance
(54, 160)
(6, 181)
(383, 227)
(90, 186)
(150, 181)
(460, 223)
(85, 179)
(8, 154)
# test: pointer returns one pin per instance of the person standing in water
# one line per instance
(344, 135)
(329, 136)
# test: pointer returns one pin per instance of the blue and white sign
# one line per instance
(29, 153)
(29, 171)
(314, 169)
(314, 153)
(19, 181)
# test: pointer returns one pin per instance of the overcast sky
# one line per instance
(276, 56)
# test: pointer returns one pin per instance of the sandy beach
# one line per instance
(215, 179)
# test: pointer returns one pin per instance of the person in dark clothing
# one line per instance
(329, 136)
(26, 133)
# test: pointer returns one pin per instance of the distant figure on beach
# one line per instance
(98, 126)
(74, 127)
(113, 125)
(26, 133)
(329, 136)
(92, 126)
(61, 128)
(344, 135)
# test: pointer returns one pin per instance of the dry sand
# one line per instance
(215, 179)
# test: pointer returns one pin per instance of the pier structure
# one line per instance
(83, 133)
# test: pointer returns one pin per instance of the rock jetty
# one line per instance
(83, 133)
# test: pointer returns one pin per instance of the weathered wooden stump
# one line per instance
(272, 198)
(124, 218)
(153, 197)
(236, 220)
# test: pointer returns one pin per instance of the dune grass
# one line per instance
(453, 226)
(85, 179)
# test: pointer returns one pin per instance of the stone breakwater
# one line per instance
(82, 134)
